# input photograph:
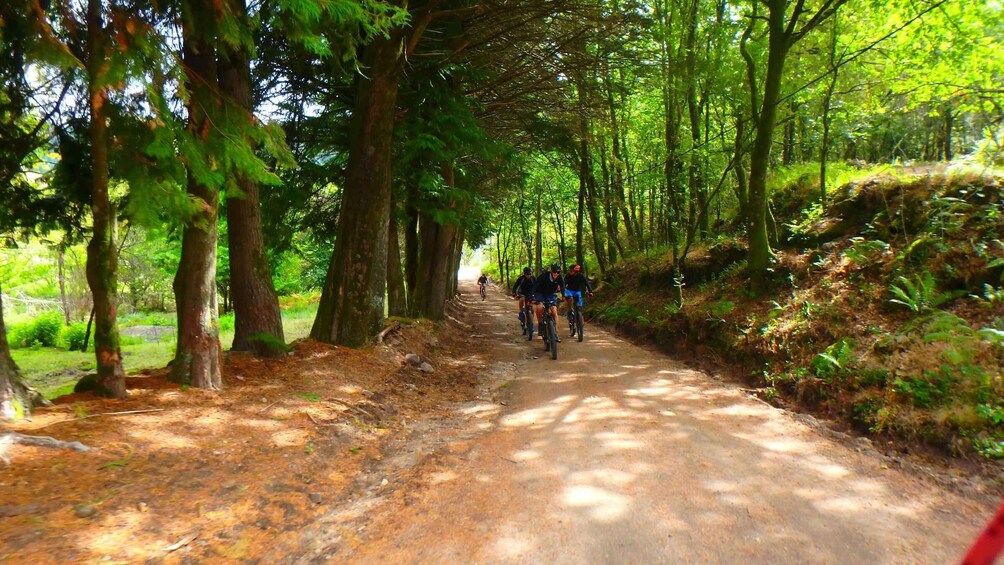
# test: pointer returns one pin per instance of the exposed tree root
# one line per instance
(10, 438)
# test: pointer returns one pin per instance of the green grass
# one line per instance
(53, 371)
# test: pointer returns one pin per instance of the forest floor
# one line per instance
(612, 453)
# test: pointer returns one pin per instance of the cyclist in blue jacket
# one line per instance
(575, 284)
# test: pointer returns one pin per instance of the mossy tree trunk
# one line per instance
(782, 33)
(396, 294)
(102, 255)
(15, 402)
(257, 318)
(352, 299)
(198, 357)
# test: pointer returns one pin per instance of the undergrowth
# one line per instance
(887, 313)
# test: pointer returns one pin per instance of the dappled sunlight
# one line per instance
(600, 504)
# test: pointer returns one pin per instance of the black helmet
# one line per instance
(527, 271)
(555, 268)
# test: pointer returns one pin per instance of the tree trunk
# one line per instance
(949, 118)
(742, 191)
(436, 258)
(102, 256)
(580, 219)
(396, 294)
(760, 253)
(538, 242)
(595, 227)
(352, 301)
(15, 402)
(198, 356)
(257, 318)
(411, 247)
(61, 267)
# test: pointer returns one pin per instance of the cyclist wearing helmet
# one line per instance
(575, 284)
(524, 290)
(547, 285)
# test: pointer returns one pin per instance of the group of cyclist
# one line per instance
(541, 291)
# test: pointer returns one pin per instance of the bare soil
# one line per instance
(616, 454)
(611, 454)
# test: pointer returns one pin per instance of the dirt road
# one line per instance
(614, 454)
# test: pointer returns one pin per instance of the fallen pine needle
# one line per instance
(102, 414)
(182, 542)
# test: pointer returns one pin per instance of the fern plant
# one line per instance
(921, 294)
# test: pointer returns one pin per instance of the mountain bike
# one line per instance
(575, 319)
(548, 328)
(484, 294)
(526, 319)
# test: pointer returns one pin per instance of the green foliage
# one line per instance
(989, 447)
(311, 396)
(42, 331)
(227, 323)
(835, 359)
(722, 307)
(865, 251)
(920, 294)
(268, 344)
(620, 313)
(924, 392)
(71, 337)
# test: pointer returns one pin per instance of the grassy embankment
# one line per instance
(54, 371)
(886, 312)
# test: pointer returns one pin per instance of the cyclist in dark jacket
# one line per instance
(524, 290)
(547, 285)
(575, 284)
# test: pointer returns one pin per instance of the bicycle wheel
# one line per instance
(544, 327)
(578, 324)
(552, 338)
(529, 325)
(483, 293)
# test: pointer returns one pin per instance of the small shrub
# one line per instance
(267, 344)
(42, 331)
(722, 307)
(835, 359)
(925, 392)
(989, 447)
(17, 335)
(920, 294)
(71, 337)
(865, 252)
(227, 323)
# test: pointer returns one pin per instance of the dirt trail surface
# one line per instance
(614, 454)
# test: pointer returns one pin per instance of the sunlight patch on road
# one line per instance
(611, 477)
(480, 410)
(602, 505)
(619, 440)
(739, 409)
(783, 445)
(512, 547)
(524, 455)
(536, 417)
